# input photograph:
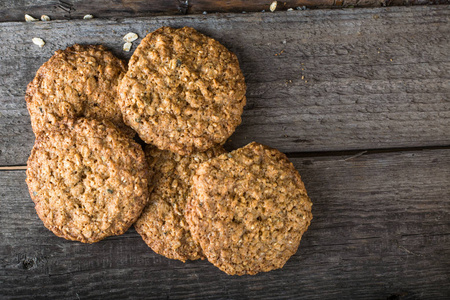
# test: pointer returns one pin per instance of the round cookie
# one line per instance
(80, 81)
(162, 224)
(248, 210)
(183, 91)
(88, 180)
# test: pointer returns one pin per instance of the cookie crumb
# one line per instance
(45, 18)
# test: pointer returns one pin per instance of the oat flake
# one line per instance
(29, 18)
(127, 46)
(130, 37)
(38, 41)
(273, 6)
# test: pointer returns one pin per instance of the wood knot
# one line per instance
(29, 263)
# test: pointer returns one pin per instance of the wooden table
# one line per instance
(359, 99)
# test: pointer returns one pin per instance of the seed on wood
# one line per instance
(88, 17)
(45, 18)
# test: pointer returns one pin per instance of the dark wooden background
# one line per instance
(359, 99)
(14, 10)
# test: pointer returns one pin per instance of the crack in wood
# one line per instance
(66, 6)
(351, 153)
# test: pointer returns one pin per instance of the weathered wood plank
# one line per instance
(76, 9)
(199, 6)
(321, 80)
(381, 227)
(13, 10)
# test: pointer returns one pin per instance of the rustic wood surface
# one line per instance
(323, 80)
(73, 9)
(381, 229)
(360, 101)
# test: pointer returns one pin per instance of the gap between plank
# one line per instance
(352, 154)
(356, 153)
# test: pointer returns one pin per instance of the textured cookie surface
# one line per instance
(162, 224)
(183, 91)
(80, 81)
(88, 180)
(248, 210)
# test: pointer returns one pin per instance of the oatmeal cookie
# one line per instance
(80, 81)
(248, 210)
(162, 224)
(88, 180)
(183, 91)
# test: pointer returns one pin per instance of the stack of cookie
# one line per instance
(183, 94)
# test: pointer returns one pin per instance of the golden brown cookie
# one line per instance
(88, 180)
(248, 210)
(162, 224)
(80, 81)
(183, 91)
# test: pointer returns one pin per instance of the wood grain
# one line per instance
(323, 80)
(14, 10)
(76, 9)
(199, 6)
(381, 229)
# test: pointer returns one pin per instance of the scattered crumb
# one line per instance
(205, 13)
(303, 77)
(45, 18)
(391, 59)
(375, 16)
(29, 18)
(127, 46)
(38, 41)
(290, 9)
(88, 17)
(130, 37)
(281, 52)
(273, 6)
